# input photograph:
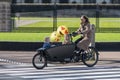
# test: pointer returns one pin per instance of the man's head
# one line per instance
(84, 19)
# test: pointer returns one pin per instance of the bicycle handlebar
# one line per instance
(73, 34)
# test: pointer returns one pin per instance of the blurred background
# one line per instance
(45, 16)
(53, 13)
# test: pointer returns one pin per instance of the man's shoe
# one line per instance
(76, 51)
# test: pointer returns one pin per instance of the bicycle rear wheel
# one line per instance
(90, 57)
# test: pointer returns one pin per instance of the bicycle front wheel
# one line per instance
(39, 61)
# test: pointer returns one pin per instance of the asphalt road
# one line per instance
(21, 57)
(16, 65)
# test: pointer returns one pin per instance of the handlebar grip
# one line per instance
(74, 34)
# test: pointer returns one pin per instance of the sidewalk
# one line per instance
(109, 58)
(109, 55)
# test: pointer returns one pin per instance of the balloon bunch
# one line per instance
(56, 35)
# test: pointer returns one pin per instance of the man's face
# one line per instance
(82, 20)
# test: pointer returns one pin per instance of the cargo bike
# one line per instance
(65, 53)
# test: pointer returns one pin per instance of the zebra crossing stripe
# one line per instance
(10, 61)
(71, 74)
(85, 75)
(109, 79)
(56, 71)
(83, 78)
(64, 73)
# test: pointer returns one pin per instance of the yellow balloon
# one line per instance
(54, 37)
(62, 30)
(59, 35)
